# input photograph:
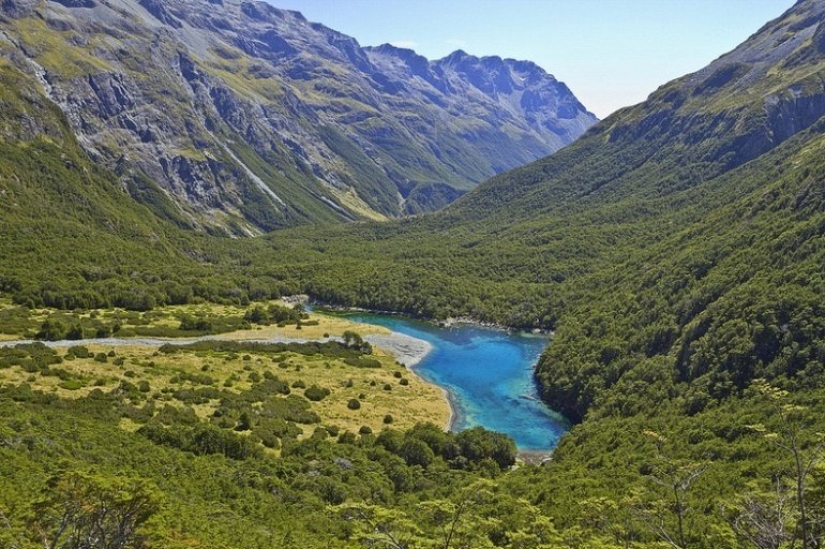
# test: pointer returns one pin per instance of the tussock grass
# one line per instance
(165, 373)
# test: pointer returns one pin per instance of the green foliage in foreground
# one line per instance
(192, 484)
(750, 469)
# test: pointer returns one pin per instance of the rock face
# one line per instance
(746, 102)
(252, 118)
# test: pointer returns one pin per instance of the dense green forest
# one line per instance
(136, 465)
(675, 252)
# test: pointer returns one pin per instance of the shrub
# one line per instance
(257, 315)
(200, 324)
(316, 393)
(354, 404)
(80, 351)
(363, 362)
(388, 419)
(346, 438)
(269, 440)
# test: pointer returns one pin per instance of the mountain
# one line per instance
(675, 249)
(690, 130)
(67, 223)
(250, 118)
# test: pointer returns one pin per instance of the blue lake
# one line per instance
(488, 375)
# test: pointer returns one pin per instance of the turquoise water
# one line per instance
(489, 377)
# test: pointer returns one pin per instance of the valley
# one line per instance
(674, 250)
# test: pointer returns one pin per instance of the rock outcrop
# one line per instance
(251, 118)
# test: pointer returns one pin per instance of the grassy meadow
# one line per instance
(385, 389)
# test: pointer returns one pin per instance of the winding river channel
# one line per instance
(488, 376)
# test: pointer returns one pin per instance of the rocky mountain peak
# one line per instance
(249, 117)
(742, 105)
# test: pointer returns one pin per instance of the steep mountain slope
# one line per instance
(251, 118)
(70, 236)
(676, 246)
(687, 132)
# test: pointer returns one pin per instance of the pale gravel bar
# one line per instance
(407, 350)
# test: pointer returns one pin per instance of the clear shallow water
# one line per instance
(489, 377)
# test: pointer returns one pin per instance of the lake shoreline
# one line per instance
(410, 351)
(484, 362)
(449, 322)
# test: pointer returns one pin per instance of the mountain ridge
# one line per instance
(688, 112)
(226, 104)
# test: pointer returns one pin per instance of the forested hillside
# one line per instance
(675, 251)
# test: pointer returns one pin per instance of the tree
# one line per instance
(676, 477)
(455, 519)
(51, 330)
(765, 521)
(352, 339)
(416, 452)
(9, 536)
(805, 450)
(84, 511)
(478, 444)
(378, 527)
(256, 315)
(244, 422)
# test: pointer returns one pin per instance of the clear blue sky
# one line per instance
(611, 53)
